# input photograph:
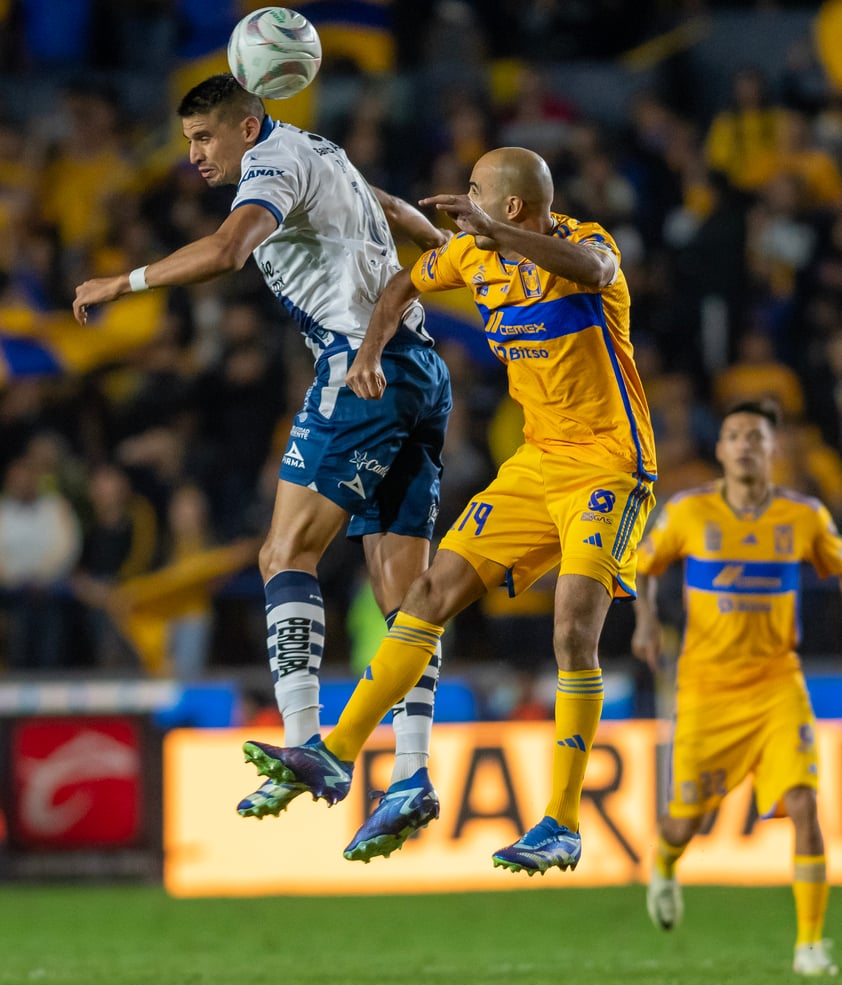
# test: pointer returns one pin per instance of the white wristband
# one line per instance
(137, 279)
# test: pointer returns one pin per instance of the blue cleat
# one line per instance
(271, 798)
(311, 767)
(406, 807)
(542, 847)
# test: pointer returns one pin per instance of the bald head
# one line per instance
(517, 172)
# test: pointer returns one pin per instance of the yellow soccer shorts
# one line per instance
(765, 729)
(544, 511)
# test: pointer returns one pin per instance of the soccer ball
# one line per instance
(274, 52)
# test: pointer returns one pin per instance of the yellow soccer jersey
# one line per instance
(566, 348)
(741, 580)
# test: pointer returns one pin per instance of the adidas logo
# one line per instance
(750, 539)
(594, 540)
(573, 741)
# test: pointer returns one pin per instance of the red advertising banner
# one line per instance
(75, 783)
(493, 781)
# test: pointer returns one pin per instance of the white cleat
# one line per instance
(814, 960)
(664, 901)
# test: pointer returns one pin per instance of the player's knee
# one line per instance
(447, 587)
(285, 555)
(426, 599)
(680, 830)
(575, 643)
(264, 562)
(801, 805)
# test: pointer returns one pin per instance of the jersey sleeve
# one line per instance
(276, 185)
(440, 269)
(593, 237)
(664, 544)
(826, 547)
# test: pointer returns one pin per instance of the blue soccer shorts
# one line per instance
(379, 460)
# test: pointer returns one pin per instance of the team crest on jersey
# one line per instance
(529, 279)
(784, 538)
(713, 537)
(602, 501)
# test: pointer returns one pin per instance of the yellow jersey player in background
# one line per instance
(576, 494)
(742, 705)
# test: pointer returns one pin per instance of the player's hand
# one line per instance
(646, 642)
(97, 291)
(467, 215)
(366, 377)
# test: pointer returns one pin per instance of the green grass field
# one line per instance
(542, 936)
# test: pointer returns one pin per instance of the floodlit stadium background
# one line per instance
(118, 757)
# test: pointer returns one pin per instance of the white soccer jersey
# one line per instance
(332, 253)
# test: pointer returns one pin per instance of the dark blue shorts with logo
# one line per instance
(380, 460)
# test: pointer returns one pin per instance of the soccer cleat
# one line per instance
(406, 807)
(546, 845)
(271, 798)
(312, 767)
(814, 960)
(664, 902)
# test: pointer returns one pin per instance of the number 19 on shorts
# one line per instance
(476, 513)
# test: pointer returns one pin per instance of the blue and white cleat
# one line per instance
(546, 845)
(406, 807)
(312, 767)
(270, 798)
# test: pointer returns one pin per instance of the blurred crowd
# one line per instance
(139, 455)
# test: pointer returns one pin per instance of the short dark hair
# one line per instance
(225, 94)
(763, 408)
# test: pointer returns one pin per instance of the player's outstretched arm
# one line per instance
(366, 377)
(225, 250)
(407, 222)
(578, 262)
(646, 639)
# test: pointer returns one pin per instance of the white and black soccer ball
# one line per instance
(274, 52)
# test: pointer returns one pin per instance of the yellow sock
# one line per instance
(666, 857)
(810, 889)
(578, 705)
(395, 668)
